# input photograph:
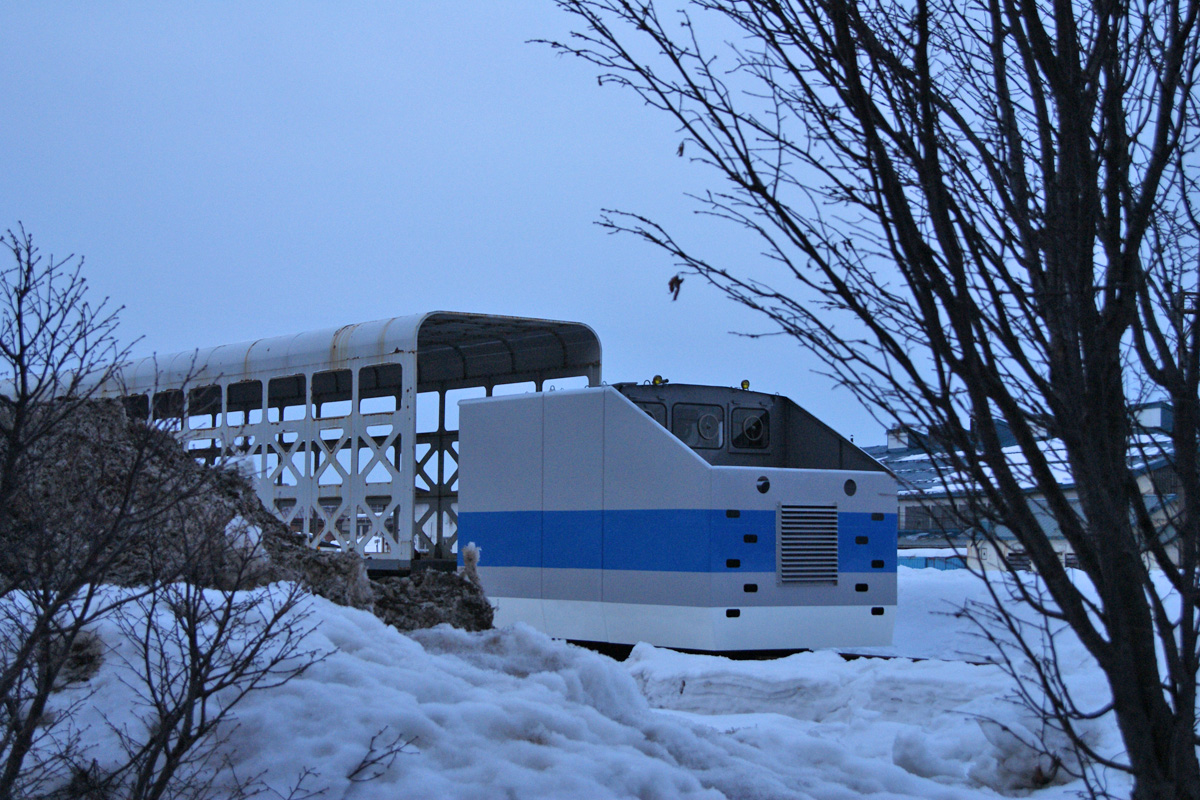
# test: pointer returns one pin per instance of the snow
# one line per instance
(243, 534)
(512, 713)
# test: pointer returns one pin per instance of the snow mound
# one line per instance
(512, 713)
(932, 719)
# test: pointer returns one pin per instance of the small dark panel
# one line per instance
(877, 516)
(860, 587)
(137, 407)
(763, 484)
(733, 563)
(657, 412)
(750, 538)
(850, 487)
(750, 587)
(204, 401)
(877, 611)
(168, 404)
(732, 513)
(750, 428)
(733, 612)
(877, 564)
(860, 540)
(698, 425)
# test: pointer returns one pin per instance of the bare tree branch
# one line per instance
(982, 216)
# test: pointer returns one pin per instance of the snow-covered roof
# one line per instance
(931, 552)
(926, 474)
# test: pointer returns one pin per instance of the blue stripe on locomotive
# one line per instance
(682, 540)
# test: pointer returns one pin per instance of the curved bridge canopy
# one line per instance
(451, 348)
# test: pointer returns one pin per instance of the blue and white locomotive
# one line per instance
(693, 517)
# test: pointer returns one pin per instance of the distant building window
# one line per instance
(931, 562)
(751, 428)
(932, 517)
(1018, 559)
(1070, 561)
(1166, 481)
(700, 426)
(657, 412)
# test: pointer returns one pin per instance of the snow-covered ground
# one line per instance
(512, 713)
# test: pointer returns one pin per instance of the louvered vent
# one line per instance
(808, 544)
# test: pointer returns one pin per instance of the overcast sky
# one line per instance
(234, 171)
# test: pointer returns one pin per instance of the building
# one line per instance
(938, 530)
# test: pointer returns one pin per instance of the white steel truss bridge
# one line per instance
(351, 433)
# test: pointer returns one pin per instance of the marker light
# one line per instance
(658, 380)
(745, 385)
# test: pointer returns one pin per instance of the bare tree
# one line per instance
(199, 651)
(53, 343)
(90, 498)
(978, 214)
(58, 518)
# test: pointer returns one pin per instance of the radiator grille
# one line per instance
(808, 544)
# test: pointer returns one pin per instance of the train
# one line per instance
(703, 518)
(695, 517)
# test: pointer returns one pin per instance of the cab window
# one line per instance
(750, 428)
(657, 412)
(700, 426)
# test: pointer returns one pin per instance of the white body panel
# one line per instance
(705, 629)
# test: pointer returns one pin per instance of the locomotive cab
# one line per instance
(739, 428)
